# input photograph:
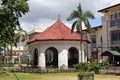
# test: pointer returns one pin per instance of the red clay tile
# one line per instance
(57, 32)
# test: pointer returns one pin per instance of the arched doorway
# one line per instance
(35, 57)
(51, 57)
(73, 57)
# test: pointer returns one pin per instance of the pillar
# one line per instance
(63, 58)
(41, 61)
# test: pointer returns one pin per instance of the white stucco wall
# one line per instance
(62, 48)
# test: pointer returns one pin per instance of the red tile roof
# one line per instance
(56, 32)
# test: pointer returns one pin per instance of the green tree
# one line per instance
(80, 17)
(10, 13)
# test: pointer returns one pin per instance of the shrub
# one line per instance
(95, 68)
(62, 66)
(24, 61)
(105, 65)
(16, 60)
(91, 67)
(19, 64)
(4, 72)
(82, 66)
(7, 65)
(85, 75)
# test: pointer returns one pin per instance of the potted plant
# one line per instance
(84, 71)
(86, 75)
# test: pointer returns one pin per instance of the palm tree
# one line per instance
(20, 36)
(80, 17)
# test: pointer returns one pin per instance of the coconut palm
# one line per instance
(20, 36)
(80, 17)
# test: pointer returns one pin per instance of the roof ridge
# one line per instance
(57, 32)
(60, 28)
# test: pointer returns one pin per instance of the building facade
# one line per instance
(111, 32)
(105, 39)
(111, 27)
(94, 49)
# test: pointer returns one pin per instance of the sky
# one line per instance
(44, 13)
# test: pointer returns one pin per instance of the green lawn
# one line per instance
(56, 76)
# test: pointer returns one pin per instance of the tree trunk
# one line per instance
(10, 53)
(81, 40)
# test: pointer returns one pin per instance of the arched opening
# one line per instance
(35, 57)
(51, 57)
(73, 57)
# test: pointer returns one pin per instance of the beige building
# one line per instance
(32, 33)
(94, 49)
(105, 39)
(111, 32)
(111, 27)
(17, 52)
(13, 56)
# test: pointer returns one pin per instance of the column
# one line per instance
(63, 58)
(42, 60)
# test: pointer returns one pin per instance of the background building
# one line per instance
(105, 39)
(95, 47)
(111, 32)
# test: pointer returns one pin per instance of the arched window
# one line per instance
(51, 57)
(35, 57)
(73, 56)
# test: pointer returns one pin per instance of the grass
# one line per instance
(56, 76)
(107, 77)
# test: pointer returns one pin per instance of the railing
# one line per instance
(44, 70)
(115, 23)
(111, 70)
(115, 42)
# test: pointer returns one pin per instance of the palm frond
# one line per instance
(72, 16)
(73, 26)
(87, 25)
(79, 25)
(78, 29)
(79, 10)
(89, 14)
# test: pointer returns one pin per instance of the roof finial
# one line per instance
(59, 16)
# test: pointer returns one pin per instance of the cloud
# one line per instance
(49, 9)
(44, 13)
(41, 24)
(95, 5)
